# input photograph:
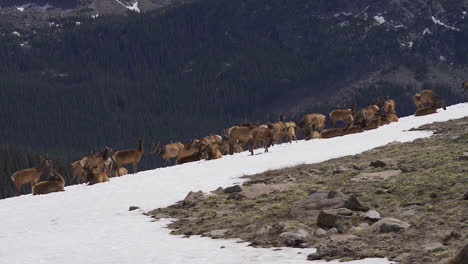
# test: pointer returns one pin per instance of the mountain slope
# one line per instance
(90, 217)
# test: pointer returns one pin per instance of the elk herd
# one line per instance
(98, 167)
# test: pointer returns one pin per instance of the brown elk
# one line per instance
(388, 105)
(373, 124)
(56, 183)
(238, 134)
(32, 175)
(277, 129)
(96, 161)
(312, 121)
(196, 156)
(97, 178)
(290, 131)
(132, 156)
(212, 152)
(169, 151)
(311, 134)
(79, 173)
(120, 172)
(353, 130)
(426, 110)
(465, 86)
(211, 139)
(332, 132)
(190, 152)
(389, 118)
(260, 134)
(345, 115)
(428, 98)
(365, 115)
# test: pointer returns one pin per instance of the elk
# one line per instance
(345, 115)
(277, 129)
(56, 183)
(79, 173)
(388, 105)
(353, 130)
(133, 156)
(389, 118)
(365, 115)
(169, 151)
(190, 149)
(260, 134)
(465, 86)
(211, 139)
(97, 178)
(238, 134)
(373, 124)
(32, 175)
(311, 134)
(426, 110)
(332, 132)
(312, 121)
(120, 172)
(212, 152)
(196, 156)
(290, 131)
(428, 98)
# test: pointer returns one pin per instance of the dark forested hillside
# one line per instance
(203, 66)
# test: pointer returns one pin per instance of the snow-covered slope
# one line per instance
(92, 224)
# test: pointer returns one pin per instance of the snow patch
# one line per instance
(85, 218)
(22, 7)
(442, 58)
(77, 23)
(379, 19)
(426, 31)
(438, 22)
(399, 26)
(16, 33)
(343, 14)
(133, 7)
(95, 16)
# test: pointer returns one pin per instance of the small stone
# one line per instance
(133, 208)
(233, 189)
(295, 239)
(332, 218)
(332, 231)
(371, 215)
(217, 233)
(320, 232)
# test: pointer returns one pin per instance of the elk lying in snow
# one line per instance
(79, 174)
(290, 131)
(373, 124)
(426, 110)
(56, 183)
(238, 134)
(190, 151)
(30, 176)
(169, 151)
(388, 105)
(312, 121)
(345, 115)
(212, 139)
(132, 156)
(212, 152)
(196, 156)
(99, 178)
(353, 130)
(365, 115)
(260, 134)
(388, 118)
(119, 172)
(428, 98)
(332, 132)
(311, 134)
(224, 147)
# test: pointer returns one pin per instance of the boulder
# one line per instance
(378, 164)
(320, 232)
(310, 206)
(233, 189)
(376, 176)
(434, 247)
(387, 225)
(332, 218)
(352, 203)
(216, 233)
(192, 198)
(219, 190)
(295, 239)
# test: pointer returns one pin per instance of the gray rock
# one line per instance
(352, 203)
(320, 232)
(332, 231)
(193, 198)
(310, 206)
(378, 164)
(133, 208)
(434, 247)
(219, 190)
(295, 239)
(332, 218)
(371, 215)
(464, 156)
(408, 213)
(359, 228)
(216, 233)
(233, 189)
(387, 225)
(376, 176)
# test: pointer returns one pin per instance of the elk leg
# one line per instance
(251, 146)
(18, 189)
(333, 123)
(135, 168)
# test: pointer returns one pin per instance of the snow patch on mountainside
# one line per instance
(133, 7)
(92, 224)
(379, 19)
(438, 22)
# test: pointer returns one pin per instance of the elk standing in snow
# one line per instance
(290, 131)
(260, 134)
(345, 115)
(238, 135)
(365, 115)
(313, 121)
(79, 174)
(56, 183)
(169, 151)
(132, 156)
(32, 175)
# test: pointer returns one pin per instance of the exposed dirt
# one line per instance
(421, 198)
